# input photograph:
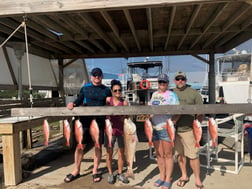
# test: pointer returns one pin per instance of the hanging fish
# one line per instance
(108, 131)
(130, 141)
(170, 130)
(94, 132)
(197, 132)
(46, 130)
(67, 131)
(212, 126)
(148, 131)
(78, 133)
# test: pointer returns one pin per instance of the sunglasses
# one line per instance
(96, 75)
(180, 78)
(117, 90)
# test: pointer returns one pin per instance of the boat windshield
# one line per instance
(144, 69)
(234, 66)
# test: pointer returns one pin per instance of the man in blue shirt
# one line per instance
(91, 94)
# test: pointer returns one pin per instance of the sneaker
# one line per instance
(122, 178)
(111, 179)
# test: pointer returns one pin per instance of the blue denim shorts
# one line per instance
(160, 135)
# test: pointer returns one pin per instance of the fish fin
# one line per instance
(197, 144)
(80, 146)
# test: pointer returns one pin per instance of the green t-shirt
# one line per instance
(188, 96)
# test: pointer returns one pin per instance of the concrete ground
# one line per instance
(51, 175)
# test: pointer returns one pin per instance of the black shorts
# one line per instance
(86, 121)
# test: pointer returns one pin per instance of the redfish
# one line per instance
(94, 132)
(78, 133)
(108, 131)
(197, 132)
(67, 131)
(130, 141)
(46, 130)
(212, 127)
(170, 129)
(148, 131)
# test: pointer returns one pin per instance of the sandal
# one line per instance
(182, 182)
(200, 186)
(166, 184)
(96, 177)
(158, 183)
(70, 177)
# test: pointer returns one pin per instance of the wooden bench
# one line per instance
(10, 130)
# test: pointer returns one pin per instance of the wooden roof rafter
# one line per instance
(172, 16)
(150, 27)
(190, 23)
(91, 22)
(235, 16)
(210, 22)
(132, 28)
(114, 28)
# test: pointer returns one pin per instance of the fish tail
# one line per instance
(80, 146)
(213, 143)
(97, 145)
(150, 143)
(67, 143)
(197, 145)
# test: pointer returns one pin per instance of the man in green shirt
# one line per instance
(184, 140)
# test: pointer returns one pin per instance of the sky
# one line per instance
(171, 64)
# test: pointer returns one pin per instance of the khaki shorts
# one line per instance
(185, 144)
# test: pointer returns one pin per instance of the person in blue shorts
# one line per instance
(161, 140)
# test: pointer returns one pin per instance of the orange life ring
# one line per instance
(147, 84)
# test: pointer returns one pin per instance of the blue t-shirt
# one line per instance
(91, 95)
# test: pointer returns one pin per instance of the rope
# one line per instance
(21, 25)
(28, 62)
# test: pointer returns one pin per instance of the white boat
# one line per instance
(233, 79)
(142, 81)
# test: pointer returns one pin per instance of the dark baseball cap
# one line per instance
(163, 77)
(96, 72)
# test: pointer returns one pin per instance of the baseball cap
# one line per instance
(180, 73)
(96, 72)
(163, 77)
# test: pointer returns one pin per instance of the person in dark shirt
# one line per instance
(91, 94)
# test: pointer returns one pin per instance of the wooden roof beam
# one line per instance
(86, 46)
(114, 28)
(210, 22)
(235, 16)
(243, 26)
(132, 27)
(91, 22)
(150, 27)
(172, 15)
(190, 23)
(98, 45)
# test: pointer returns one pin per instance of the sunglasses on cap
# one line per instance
(180, 78)
(117, 90)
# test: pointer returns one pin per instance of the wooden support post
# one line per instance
(12, 159)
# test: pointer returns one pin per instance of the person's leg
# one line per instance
(160, 158)
(168, 160)
(179, 151)
(120, 161)
(195, 165)
(78, 156)
(109, 160)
